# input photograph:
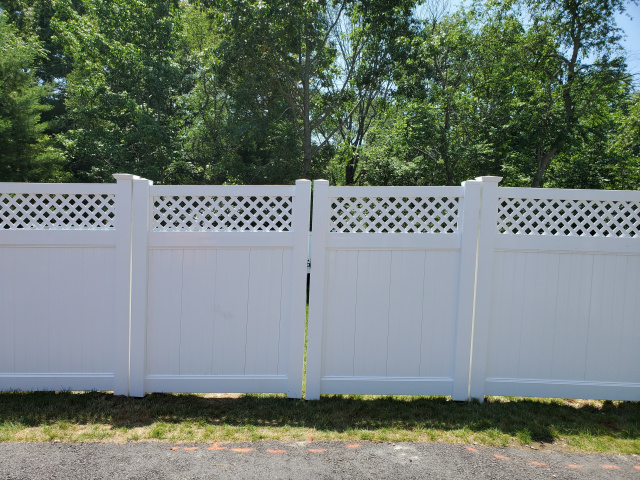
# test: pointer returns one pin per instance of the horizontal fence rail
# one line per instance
(462, 291)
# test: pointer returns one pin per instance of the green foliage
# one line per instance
(360, 92)
(122, 93)
(624, 146)
(26, 153)
(556, 92)
(505, 89)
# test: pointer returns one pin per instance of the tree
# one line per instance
(440, 120)
(369, 40)
(122, 93)
(307, 55)
(560, 86)
(26, 153)
(34, 18)
(624, 146)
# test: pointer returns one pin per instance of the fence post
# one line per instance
(482, 309)
(319, 227)
(123, 281)
(466, 288)
(139, 282)
(297, 319)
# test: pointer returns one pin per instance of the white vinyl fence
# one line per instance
(463, 291)
(60, 325)
(225, 289)
(562, 315)
(139, 288)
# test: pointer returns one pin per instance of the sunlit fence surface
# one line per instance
(463, 291)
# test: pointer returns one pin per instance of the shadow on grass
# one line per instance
(537, 421)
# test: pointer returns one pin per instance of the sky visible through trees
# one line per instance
(362, 92)
(629, 22)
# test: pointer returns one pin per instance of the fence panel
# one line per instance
(392, 279)
(58, 293)
(564, 307)
(225, 297)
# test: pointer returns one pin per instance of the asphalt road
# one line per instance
(293, 460)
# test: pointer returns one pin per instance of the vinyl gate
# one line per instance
(225, 293)
(392, 287)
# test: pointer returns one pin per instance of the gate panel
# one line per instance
(385, 282)
(562, 317)
(225, 290)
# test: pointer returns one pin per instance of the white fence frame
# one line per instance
(51, 338)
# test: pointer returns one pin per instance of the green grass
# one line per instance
(581, 426)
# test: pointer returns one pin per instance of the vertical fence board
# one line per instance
(405, 314)
(580, 302)
(165, 305)
(546, 289)
(30, 334)
(7, 311)
(372, 314)
(196, 313)
(613, 311)
(264, 312)
(104, 294)
(439, 315)
(631, 325)
(65, 275)
(630, 331)
(286, 318)
(599, 325)
(530, 314)
(340, 322)
(564, 330)
(232, 295)
(99, 292)
(500, 308)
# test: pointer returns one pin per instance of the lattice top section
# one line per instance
(222, 214)
(394, 215)
(44, 211)
(584, 218)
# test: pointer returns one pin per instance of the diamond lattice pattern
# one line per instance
(585, 218)
(394, 215)
(43, 211)
(222, 214)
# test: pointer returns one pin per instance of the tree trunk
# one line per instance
(306, 112)
(543, 164)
